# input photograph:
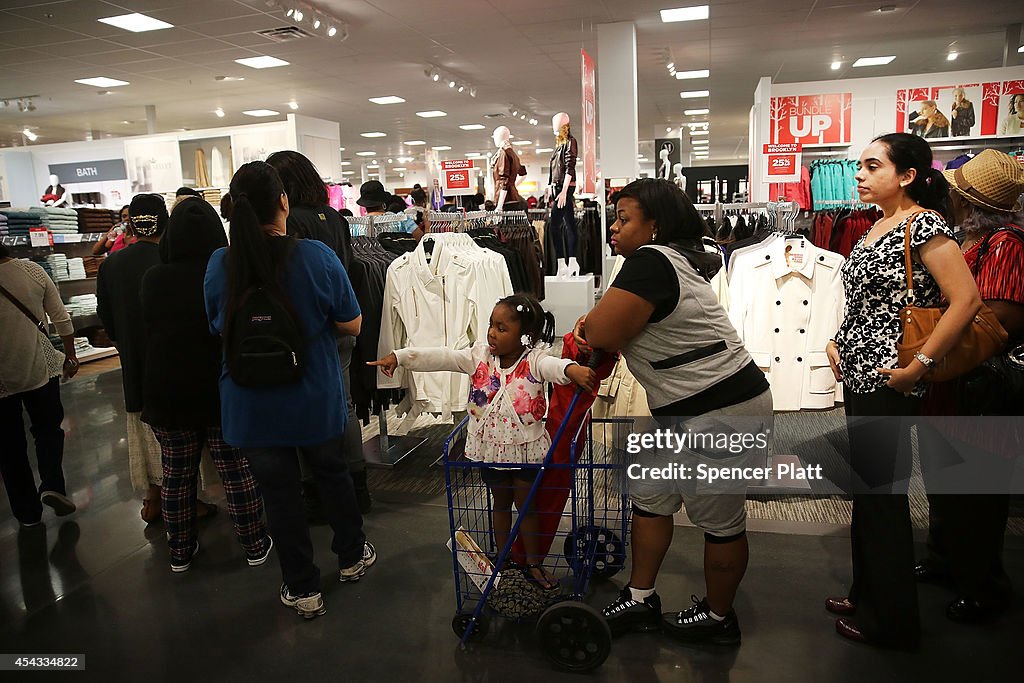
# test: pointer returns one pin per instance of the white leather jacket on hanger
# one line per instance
(786, 302)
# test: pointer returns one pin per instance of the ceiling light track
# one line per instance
(450, 80)
(23, 102)
(312, 19)
(523, 114)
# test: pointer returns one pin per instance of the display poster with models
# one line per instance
(962, 110)
(589, 152)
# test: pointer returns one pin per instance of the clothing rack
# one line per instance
(782, 213)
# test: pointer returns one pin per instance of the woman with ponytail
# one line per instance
(273, 424)
(895, 174)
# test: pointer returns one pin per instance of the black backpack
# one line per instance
(265, 347)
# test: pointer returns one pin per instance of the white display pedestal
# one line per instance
(609, 267)
(568, 298)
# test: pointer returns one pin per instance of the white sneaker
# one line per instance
(308, 606)
(356, 571)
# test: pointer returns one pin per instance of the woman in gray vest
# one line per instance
(662, 313)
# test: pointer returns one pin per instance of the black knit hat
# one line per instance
(148, 214)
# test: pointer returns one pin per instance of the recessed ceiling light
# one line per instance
(398, 168)
(671, 66)
(262, 62)
(684, 14)
(541, 150)
(886, 8)
(293, 105)
(522, 142)
(951, 57)
(696, 112)
(1020, 49)
(641, 158)
(227, 79)
(687, 75)
(366, 154)
(472, 126)
(474, 155)
(126, 122)
(388, 99)
(346, 163)
(441, 148)
(261, 112)
(219, 112)
(698, 132)
(374, 134)
(413, 143)
(874, 61)
(432, 114)
(836, 66)
(136, 23)
(694, 94)
(101, 82)
(348, 173)
(29, 134)
(373, 164)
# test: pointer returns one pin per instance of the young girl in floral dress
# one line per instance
(507, 404)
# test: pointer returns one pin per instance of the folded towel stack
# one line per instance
(96, 220)
(81, 305)
(76, 269)
(92, 265)
(20, 221)
(58, 267)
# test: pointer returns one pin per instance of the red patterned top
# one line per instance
(1001, 275)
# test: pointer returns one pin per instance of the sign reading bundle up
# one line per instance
(812, 119)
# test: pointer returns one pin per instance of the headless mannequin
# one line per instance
(666, 165)
(503, 174)
(55, 194)
(563, 221)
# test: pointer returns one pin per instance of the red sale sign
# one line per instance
(782, 162)
(457, 177)
(589, 125)
(812, 119)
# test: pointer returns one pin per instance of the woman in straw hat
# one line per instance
(966, 528)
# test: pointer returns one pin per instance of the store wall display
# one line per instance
(589, 185)
(720, 183)
(972, 109)
(91, 171)
(812, 119)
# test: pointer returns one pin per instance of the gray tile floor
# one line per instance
(98, 584)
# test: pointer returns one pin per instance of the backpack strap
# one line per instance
(39, 325)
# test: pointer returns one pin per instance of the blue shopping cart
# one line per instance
(589, 543)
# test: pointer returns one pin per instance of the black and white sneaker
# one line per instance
(696, 625)
(627, 615)
(179, 566)
(356, 571)
(309, 606)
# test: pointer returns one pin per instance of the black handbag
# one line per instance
(996, 387)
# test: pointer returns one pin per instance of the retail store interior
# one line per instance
(514, 124)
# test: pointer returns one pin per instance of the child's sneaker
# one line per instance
(356, 571)
(309, 606)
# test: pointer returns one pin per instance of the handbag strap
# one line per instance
(908, 233)
(24, 309)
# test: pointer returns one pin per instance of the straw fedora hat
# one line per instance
(992, 180)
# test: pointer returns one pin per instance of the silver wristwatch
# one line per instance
(924, 360)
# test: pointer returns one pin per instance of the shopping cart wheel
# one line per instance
(574, 636)
(609, 551)
(461, 621)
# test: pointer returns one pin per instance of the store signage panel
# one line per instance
(812, 119)
(962, 110)
(457, 177)
(90, 171)
(589, 124)
(781, 162)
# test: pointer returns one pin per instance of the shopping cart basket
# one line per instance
(587, 542)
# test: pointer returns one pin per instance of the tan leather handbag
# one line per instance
(983, 338)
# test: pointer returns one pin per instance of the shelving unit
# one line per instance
(72, 245)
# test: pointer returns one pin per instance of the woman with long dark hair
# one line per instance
(310, 217)
(304, 413)
(895, 173)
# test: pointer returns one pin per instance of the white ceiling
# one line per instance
(521, 52)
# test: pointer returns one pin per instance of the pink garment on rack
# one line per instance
(336, 197)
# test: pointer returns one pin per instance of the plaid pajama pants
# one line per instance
(181, 450)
